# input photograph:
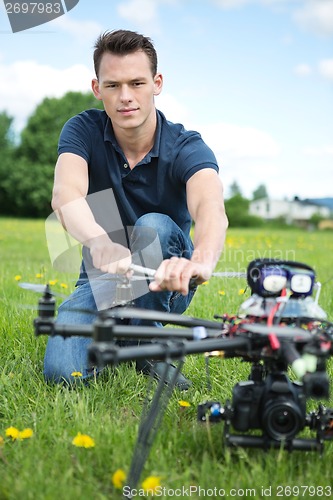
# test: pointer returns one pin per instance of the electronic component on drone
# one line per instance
(268, 277)
(286, 286)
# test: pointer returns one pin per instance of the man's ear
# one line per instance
(158, 83)
(95, 89)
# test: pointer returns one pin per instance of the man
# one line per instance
(162, 178)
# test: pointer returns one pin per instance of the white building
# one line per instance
(294, 211)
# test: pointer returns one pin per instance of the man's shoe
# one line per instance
(157, 370)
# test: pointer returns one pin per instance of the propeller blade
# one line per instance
(33, 286)
(39, 288)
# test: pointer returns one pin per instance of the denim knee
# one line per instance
(168, 235)
(66, 360)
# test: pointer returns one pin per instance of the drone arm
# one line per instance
(264, 443)
(104, 353)
(294, 359)
(161, 316)
(47, 326)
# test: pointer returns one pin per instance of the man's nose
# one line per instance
(125, 95)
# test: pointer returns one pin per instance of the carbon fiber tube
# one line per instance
(108, 330)
(106, 353)
(263, 443)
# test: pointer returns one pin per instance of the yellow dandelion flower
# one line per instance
(39, 275)
(221, 292)
(52, 282)
(12, 432)
(76, 374)
(151, 483)
(83, 441)
(2, 441)
(18, 277)
(241, 291)
(26, 433)
(118, 478)
(205, 283)
(63, 285)
(184, 404)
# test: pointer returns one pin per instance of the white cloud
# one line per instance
(239, 143)
(326, 69)
(81, 31)
(244, 154)
(302, 69)
(316, 16)
(174, 110)
(313, 15)
(228, 141)
(141, 12)
(230, 4)
(326, 150)
(24, 84)
(144, 13)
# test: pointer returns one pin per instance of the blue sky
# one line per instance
(254, 77)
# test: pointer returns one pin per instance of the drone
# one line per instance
(280, 330)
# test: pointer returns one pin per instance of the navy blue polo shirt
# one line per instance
(157, 183)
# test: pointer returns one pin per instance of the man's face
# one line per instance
(127, 88)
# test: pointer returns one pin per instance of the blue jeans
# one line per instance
(65, 356)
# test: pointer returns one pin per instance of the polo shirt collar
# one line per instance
(110, 137)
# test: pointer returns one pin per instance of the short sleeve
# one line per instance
(75, 137)
(193, 155)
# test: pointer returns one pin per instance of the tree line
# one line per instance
(27, 162)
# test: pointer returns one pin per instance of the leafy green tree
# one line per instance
(235, 189)
(6, 164)
(39, 139)
(237, 209)
(29, 195)
(6, 136)
(29, 184)
(260, 192)
(315, 219)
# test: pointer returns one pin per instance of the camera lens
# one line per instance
(282, 420)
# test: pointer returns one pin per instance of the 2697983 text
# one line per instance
(33, 8)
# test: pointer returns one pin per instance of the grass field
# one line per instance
(188, 457)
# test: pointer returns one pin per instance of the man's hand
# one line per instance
(109, 257)
(175, 274)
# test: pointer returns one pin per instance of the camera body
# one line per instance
(275, 405)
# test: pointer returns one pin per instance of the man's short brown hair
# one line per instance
(123, 42)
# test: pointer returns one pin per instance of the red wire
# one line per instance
(273, 340)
